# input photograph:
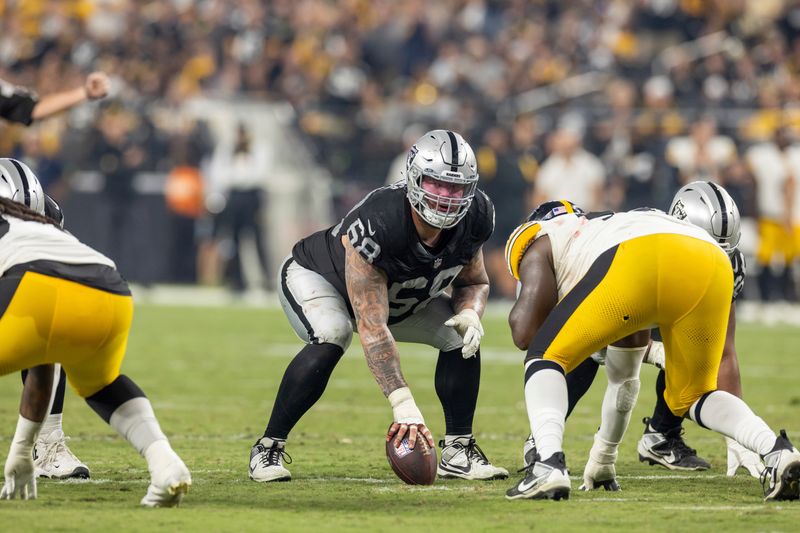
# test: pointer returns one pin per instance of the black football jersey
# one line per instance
(381, 229)
(739, 272)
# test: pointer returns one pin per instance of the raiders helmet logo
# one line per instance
(679, 211)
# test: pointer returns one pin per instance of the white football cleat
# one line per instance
(53, 459)
(546, 479)
(781, 477)
(168, 484)
(464, 459)
(266, 461)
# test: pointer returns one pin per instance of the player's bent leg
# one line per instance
(731, 416)
(546, 400)
(123, 405)
(303, 384)
(51, 455)
(662, 442)
(578, 383)
(622, 369)
(319, 316)
(457, 383)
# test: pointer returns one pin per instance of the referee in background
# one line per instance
(52, 457)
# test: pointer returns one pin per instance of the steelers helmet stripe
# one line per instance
(453, 151)
(722, 208)
(567, 205)
(518, 244)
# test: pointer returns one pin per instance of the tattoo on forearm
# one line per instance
(471, 287)
(366, 287)
(384, 363)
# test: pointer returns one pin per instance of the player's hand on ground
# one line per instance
(598, 475)
(97, 85)
(467, 323)
(19, 479)
(399, 430)
(739, 456)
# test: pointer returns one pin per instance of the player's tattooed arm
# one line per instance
(538, 295)
(471, 286)
(366, 287)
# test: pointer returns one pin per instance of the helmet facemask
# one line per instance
(441, 183)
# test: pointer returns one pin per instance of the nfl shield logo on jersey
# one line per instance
(437, 262)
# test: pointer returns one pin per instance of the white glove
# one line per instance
(468, 324)
(597, 475)
(600, 356)
(600, 470)
(19, 477)
(739, 456)
(655, 354)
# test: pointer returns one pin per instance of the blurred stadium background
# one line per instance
(266, 120)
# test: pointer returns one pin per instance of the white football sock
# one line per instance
(463, 439)
(268, 441)
(547, 403)
(137, 423)
(725, 413)
(622, 371)
(51, 423)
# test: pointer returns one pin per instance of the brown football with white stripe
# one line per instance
(415, 466)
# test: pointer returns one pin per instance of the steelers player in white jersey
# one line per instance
(708, 206)
(63, 302)
(590, 280)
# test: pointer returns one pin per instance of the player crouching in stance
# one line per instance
(590, 280)
(390, 260)
(63, 302)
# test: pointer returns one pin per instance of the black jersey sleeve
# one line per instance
(739, 273)
(484, 223)
(16, 103)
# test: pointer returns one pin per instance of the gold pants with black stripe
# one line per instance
(52, 320)
(682, 284)
(774, 239)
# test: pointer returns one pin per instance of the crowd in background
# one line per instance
(611, 103)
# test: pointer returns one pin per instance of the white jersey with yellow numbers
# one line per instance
(23, 241)
(578, 240)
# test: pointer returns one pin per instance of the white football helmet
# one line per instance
(444, 156)
(709, 206)
(20, 184)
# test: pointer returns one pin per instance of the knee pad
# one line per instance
(338, 331)
(627, 393)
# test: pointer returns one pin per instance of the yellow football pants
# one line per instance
(774, 238)
(681, 284)
(51, 320)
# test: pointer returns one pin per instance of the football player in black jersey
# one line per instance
(383, 271)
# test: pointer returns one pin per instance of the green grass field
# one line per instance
(212, 375)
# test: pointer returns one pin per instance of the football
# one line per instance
(415, 466)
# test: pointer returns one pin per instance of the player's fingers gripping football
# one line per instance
(467, 323)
